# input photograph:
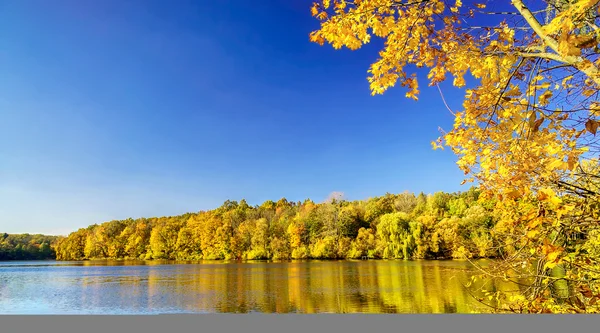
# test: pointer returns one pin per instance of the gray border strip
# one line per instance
(329, 323)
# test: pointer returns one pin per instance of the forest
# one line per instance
(393, 226)
(27, 247)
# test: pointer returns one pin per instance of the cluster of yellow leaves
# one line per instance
(502, 136)
(499, 131)
(513, 134)
(412, 37)
(407, 29)
(565, 24)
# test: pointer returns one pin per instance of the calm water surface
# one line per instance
(134, 287)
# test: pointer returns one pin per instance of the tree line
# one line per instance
(27, 247)
(393, 226)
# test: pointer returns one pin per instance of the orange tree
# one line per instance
(526, 131)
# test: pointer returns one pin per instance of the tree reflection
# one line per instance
(371, 286)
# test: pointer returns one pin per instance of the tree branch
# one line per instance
(535, 24)
(576, 61)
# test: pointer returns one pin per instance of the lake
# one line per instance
(155, 287)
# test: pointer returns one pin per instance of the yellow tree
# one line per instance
(528, 122)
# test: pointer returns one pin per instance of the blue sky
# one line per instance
(117, 109)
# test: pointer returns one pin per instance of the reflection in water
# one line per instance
(99, 287)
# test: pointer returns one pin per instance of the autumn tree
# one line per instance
(405, 202)
(260, 240)
(527, 124)
(96, 242)
(163, 239)
(393, 232)
(350, 220)
(188, 244)
(364, 244)
(138, 239)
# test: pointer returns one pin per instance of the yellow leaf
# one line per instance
(595, 109)
(513, 194)
(555, 200)
(564, 81)
(589, 92)
(314, 10)
(555, 165)
(545, 96)
(544, 85)
(553, 255)
(553, 149)
(567, 48)
(340, 5)
(546, 192)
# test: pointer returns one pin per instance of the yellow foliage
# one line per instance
(529, 115)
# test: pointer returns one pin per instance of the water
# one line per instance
(137, 287)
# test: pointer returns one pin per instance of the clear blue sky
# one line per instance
(117, 109)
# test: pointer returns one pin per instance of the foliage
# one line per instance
(287, 230)
(27, 247)
(526, 131)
